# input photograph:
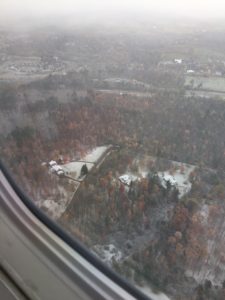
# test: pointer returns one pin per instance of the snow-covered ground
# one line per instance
(212, 266)
(179, 178)
(108, 253)
(56, 208)
(127, 178)
(154, 296)
(73, 168)
(95, 154)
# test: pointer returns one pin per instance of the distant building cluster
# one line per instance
(209, 68)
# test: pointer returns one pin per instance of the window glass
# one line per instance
(112, 120)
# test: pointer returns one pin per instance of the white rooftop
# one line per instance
(126, 179)
(178, 60)
(190, 71)
(56, 168)
(52, 163)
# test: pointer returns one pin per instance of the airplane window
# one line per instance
(112, 120)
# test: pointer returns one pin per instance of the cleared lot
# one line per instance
(216, 84)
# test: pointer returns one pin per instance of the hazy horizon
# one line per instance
(98, 11)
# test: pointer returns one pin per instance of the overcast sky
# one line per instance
(10, 9)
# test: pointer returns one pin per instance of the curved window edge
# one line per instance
(116, 287)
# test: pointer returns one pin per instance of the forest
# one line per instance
(165, 125)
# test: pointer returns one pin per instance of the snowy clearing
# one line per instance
(56, 204)
(55, 209)
(107, 253)
(95, 154)
(179, 178)
(73, 169)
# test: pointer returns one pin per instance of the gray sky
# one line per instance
(10, 9)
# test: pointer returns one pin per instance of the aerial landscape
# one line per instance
(118, 134)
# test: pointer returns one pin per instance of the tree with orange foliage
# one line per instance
(180, 218)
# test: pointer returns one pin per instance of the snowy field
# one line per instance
(91, 158)
(94, 155)
(73, 168)
(211, 83)
(179, 178)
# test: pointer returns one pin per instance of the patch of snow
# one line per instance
(211, 267)
(56, 168)
(108, 253)
(127, 178)
(52, 163)
(190, 71)
(95, 154)
(144, 173)
(204, 214)
(55, 209)
(60, 172)
(154, 296)
(178, 60)
(180, 179)
(165, 177)
(73, 168)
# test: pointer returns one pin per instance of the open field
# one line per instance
(216, 84)
(205, 95)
